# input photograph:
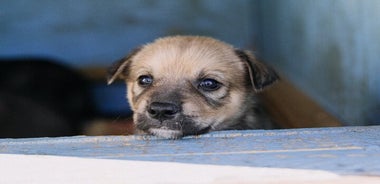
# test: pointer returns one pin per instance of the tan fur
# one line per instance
(176, 65)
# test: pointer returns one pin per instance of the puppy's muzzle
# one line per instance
(163, 111)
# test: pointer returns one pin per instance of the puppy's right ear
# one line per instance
(119, 68)
(261, 75)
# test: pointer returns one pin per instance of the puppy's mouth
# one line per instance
(166, 133)
(175, 134)
(175, 129)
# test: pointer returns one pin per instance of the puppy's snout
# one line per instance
(163, 111)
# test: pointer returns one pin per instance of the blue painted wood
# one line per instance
(344, 150)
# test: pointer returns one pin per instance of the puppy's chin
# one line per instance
(166, 133)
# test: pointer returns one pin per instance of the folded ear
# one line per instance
(260, 75)
(120, 67)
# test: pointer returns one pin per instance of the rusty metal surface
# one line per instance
(343, 150)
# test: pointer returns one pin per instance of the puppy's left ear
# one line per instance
(260, 75)
(119, 68)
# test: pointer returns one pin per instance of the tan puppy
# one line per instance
(190, 85)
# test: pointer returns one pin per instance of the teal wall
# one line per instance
(96, 32)
(330, 49)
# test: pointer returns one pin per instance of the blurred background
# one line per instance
(53, 55)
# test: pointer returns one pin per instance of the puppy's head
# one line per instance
(188, 85)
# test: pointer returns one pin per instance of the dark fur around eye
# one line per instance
(145, 80)
(209, 84)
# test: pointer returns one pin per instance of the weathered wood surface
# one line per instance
(343, 150)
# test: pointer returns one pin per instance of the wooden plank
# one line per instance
(344, 150)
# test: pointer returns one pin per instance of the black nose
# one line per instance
(163, 111)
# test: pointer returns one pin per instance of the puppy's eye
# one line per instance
(209, 84)
(145, 80)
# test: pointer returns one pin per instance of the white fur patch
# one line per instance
(166, 133)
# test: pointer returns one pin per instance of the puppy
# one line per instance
(190, 85)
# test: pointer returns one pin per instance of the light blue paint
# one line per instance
(349, 150)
